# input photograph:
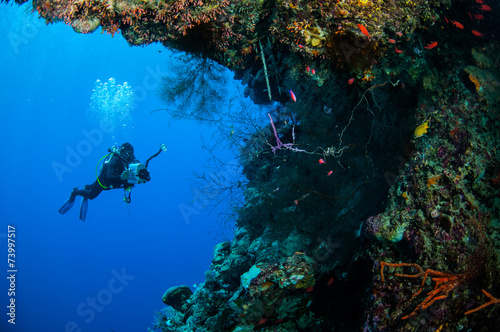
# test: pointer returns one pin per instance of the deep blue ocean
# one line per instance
(108, 273)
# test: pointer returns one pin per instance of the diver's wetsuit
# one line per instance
(110, 177)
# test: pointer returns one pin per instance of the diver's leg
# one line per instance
(94, 190)
(84, 192)
(90, 191)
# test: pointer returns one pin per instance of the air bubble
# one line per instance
(111, 104)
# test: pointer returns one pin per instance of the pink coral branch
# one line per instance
(279, 145)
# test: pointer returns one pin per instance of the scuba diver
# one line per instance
(120, 170)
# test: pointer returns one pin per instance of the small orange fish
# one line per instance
(300, 46)
(485, 8)
(262, 321)
(364, 31)
(392, 41)
(321, 161)
(478, 16)
(399, 33)
(313, 71)
(446, 20)
(398, 51)
(309, 289)
(330, 282)
(477, 33)
(329, 173)
(308, 69)
(296, 201)
(431, 45)
(480, 2)
(294, 98)
(351, 81)
(457, 24)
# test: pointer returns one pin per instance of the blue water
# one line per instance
(111, 271)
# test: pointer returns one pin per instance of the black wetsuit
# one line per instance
(110, 177)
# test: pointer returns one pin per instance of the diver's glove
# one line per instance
(125, 175)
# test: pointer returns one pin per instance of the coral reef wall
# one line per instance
(372, 201)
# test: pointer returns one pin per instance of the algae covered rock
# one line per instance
(177, 297)
(273, 292)
(86, 25)
(487, 86)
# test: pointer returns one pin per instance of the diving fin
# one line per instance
(69, 202)
(84, 206)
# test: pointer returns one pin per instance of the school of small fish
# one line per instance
(423, 128)
(431, 45)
